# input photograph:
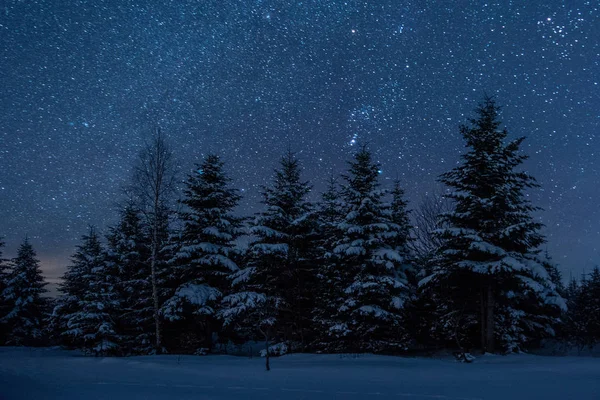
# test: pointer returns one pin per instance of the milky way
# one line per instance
(83, 82)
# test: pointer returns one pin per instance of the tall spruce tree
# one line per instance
(272, 288)
(205, 250)
(328, 289)
(488, 278)
(371, 271)
(24, 296)
(88, 310)
(127, 255)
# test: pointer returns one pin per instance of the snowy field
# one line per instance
(56, 374)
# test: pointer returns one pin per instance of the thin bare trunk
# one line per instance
(483, 319)
(155, 177)
(489, 332)
(487, 318)
(267, 356)
(155, 299)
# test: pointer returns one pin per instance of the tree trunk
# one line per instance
(483, 319)
(267, 361)
(209, 334)
(155, 290)
(490, 323)
(154, 183)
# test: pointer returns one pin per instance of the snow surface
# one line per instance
(56, 374)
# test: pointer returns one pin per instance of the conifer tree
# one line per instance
(205, 250)
(371, 271)
(268, 291)
(328, 290)
(3, 301)
(583, 316)
(3, 270)
(128, 254)
(89, 308)
(572, 316)
(402, 227)
(593, 307)
(24, 296)
(492, 282)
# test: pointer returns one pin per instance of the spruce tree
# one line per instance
(205, 249)
(593, 312)
(3, 270)
(24, 296)
(127, 255)
(370, 270)
(270, 292)
(89, 308)
(399, 215)
(492, 283)
(584, 310)
(3, 301)
(571, 316)
(328, 290)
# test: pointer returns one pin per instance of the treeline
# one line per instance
(349, 273)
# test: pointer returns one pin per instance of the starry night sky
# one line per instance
(84, 81)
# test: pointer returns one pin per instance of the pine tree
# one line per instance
(488, 274)
(583, 322)
(371, 271)
(271, 289)
(593, 310)
(3, 270)
(205, 249)
(23, 294)
(402, 227)
(328, 289)
(570, 320)
(90, 305)
(128, 254)
(4, 308)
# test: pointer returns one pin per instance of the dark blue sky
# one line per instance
(82, 82)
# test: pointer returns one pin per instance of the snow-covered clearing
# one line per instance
(56, 374)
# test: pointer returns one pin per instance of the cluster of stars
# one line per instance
(86, 81)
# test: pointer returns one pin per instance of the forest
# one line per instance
(355, 272)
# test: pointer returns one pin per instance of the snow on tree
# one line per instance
(127, 255)
(371, 271)
(88, 309)
(553, 272)
(205, 248)
(488, 278)
(328, 289)
(23, 294)
(269, 293)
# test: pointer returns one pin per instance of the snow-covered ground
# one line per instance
(55, 374)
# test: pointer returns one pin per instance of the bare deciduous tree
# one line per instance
(426, 222)
(154, 184)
